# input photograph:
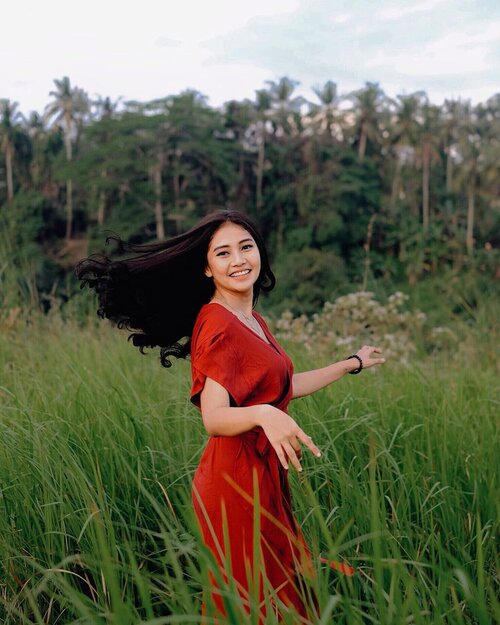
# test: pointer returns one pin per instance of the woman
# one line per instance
(203, 286)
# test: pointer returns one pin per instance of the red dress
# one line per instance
(253, 372)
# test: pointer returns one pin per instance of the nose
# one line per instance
(238, 258)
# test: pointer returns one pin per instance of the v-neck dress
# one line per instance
(235, 471)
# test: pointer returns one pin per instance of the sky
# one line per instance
(227, 49)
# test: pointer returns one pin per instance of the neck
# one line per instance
(242, 302)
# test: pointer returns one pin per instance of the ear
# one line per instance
(208, 273)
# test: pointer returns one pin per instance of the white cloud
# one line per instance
(228, 48)
(342, 18)
(394, 13)
(140, 54)
(167, 42)
(456, 53)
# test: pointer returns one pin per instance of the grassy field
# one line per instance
(98, 445)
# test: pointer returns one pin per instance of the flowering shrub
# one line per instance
(357, 319)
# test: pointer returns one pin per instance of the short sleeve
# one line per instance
(216, 358)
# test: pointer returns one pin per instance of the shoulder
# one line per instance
(213, 316)
(212, 321)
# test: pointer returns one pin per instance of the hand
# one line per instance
(365, 354)
(285, 436)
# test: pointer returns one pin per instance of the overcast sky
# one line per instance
(227, 49)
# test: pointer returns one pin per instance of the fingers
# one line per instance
(370, 349)
(286, 437)
(281, 456)
(377, 361)
(288, 452)
(292, 456)
(307, 440)
(366, 359)
(296, 447)
(293, 453)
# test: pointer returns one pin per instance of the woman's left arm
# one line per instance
(309, 382)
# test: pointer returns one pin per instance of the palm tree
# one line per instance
(368, 103)
(285, 108)
(284, 114)
(69, 106)
(491, 153)
(154, 131)
(35, 129)
(429, 154)
(238, 121)
(104, 110)
(322, 126)
(281, 92)
(325, 117)
(453, 112)
(470, 151)
(405, 136)
(262, 110)
(9, 119)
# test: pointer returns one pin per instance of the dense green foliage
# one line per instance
(98, 446)
(348, 189)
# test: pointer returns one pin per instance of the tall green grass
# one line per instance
(98, 446)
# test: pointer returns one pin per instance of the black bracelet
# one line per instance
(360, 364)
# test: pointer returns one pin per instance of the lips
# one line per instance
(237, 274)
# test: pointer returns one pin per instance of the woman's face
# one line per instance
(233, 260)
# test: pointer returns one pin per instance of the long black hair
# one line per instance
(157, 294)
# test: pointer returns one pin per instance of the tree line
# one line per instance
(347, 188)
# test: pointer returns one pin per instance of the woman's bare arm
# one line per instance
(221, 419)
(309, 382)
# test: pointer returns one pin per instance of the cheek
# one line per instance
(215, 266)
(209, 269)
(256, 260)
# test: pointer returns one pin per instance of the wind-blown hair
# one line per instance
(158, 293)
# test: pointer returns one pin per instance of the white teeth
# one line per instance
(240, 273)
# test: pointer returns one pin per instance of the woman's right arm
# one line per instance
(221, 419)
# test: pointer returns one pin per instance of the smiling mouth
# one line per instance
(236, 274)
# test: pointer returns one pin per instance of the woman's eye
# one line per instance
(248, 246)
(221, 253)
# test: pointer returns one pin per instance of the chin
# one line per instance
(241, 287)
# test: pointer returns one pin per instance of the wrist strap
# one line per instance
(360, 364)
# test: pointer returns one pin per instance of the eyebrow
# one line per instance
(226, 245)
